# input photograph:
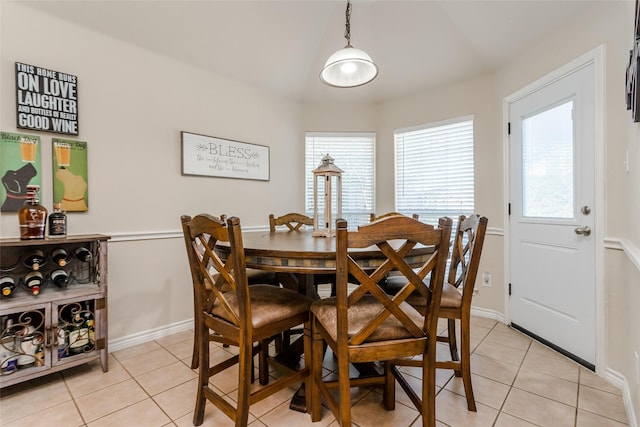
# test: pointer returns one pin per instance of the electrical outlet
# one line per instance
(475, 291)
(486, 279)
(637, 367)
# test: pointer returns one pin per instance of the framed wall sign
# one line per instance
(46, 100)
(633, 71)
(210, 156)
(20, 165)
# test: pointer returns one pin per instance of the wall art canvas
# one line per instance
(70, 175)
(19, 167)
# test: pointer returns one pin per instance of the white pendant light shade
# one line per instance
(348, 67)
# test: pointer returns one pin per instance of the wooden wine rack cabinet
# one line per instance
(36, 329)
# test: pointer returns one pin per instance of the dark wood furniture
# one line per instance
(456, 298)
(293, 221)
(368, 325)
(60, 327)
(228, 313)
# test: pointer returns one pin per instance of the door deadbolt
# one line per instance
(586, 210)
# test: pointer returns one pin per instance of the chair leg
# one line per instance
(344, 390)
(245, 366)
(465, 363)
(263, 364)
(203, 373)
(314, 397)
(453, 346)
(389, 393)
(429, 389)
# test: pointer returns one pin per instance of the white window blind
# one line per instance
(354, 154)
(434, 170)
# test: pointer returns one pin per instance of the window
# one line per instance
(354, 154)
(434, 170)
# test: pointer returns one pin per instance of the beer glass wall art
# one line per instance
(19, 167)
(70, 175)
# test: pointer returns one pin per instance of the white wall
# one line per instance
(132, 106)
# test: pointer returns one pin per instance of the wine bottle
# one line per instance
(78, 336)
(60, 278)
(62, 341)
(8, 285)
(83, 254)
(90, 324)
(34, 280)
(60, 256)
(57, 222)
(32, 216)
(24, 345)
(35, 259)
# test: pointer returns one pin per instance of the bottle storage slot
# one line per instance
(76, 329)
(22, 342)
(49, 267)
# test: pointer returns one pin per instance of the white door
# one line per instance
(552, 194)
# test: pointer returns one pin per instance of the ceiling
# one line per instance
(280, 46)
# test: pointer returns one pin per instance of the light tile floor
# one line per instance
(517, 382)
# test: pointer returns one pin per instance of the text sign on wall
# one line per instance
(46, 100)
(210, 156)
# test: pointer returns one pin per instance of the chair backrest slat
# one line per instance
(293, 221)
(467, 249)
(216, 281)
(395, 236)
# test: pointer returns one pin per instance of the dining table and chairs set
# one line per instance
(391, 280)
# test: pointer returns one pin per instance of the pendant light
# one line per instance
(348, 67)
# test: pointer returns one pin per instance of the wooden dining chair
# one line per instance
(254, 277)
(368, 325)
(373, 217)
(456, 298)
(293, 221)
(229, 311)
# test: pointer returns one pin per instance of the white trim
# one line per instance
(597, 58)
(150, 335)
(158, 235)
(620, 381)
(632, 252)
(487, 313)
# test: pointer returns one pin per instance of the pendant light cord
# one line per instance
(347, 26)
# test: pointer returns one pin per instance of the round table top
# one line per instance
(300, 252)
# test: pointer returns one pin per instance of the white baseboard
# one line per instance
(489, 314)
(150, 335)
(620, 381)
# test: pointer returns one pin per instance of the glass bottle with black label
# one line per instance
(57, 222)
(60, 256)
(34, 280)
(60, 278)
(34, 259)
(83, 254)
(78, 335)
(32, 216)
(8, 285)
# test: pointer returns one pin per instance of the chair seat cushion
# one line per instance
(269, 304)
(360, 314)
(451, 298)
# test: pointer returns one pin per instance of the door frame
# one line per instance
(597, 58)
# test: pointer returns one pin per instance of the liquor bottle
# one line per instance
(32, 216)
(62, 341)
(57, 222)
(90, 323)
(8, 285)
(60, 256)
(35, 259)
(60, 278)
(34, 280)
(83, 254)
(78, 335)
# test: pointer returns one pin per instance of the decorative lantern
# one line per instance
(327, 178)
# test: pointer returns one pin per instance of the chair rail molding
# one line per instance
(625, 245)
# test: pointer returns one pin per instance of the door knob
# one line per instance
(584, 231)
